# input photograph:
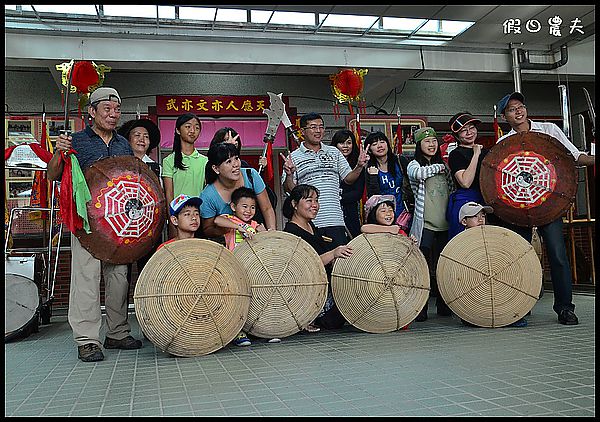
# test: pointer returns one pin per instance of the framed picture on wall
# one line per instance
(19, 127)
(19, 174)
(17, 190)
(55, 126)
(18, 132)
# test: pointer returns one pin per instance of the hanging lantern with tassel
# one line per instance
(347, 85)
(86, 77)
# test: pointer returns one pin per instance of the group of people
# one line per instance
(219, 197)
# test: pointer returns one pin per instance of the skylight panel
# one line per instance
(444, 28)
(137, 11)
(197, 13)
(454, 28)
(86, 9)
(260, 16)
(232, 15)
(292, 18)
(402, 24)
(166, 12)
(350, 21)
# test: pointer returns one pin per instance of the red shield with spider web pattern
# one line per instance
(529, 179)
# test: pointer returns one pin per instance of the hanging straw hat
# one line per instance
(383, 285)
(489, 276)
(288, 283)
(192, 297)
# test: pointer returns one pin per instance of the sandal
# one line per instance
(311, 328)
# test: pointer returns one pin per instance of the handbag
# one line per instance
(404, 220)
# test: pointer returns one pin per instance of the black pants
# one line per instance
(432, 244)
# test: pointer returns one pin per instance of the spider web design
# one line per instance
(129, 208)
(526, 179)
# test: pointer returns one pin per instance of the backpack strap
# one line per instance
(249, 174)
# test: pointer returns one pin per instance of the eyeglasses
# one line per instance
(515, 109)
(468, 128)
(315, 128)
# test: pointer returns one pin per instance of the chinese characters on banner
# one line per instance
(213, 105)
(513, 26)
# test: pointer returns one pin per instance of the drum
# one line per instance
(383, 285)
(529, 179)
(489, 276)
(127, 211)
(288, 282)
(21, 306)
(192, 297)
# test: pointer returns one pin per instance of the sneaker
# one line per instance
(520, 323)
(567, 317)
(127, 343)
(90, 352)
(312, 328)
(242, 340)
(274, 340)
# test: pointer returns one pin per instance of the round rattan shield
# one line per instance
(529, 179)
(489, 276)
(383, 285)
(288, 283)
(127, 211)
(192, 297)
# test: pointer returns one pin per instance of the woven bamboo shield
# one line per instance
(288, 283)
(529, 179)
(127, 211)
(192, 297)
(489, 276)
(383, 285)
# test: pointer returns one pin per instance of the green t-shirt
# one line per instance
(189, 181)
(436, 202)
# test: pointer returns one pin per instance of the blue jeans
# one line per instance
(560, 268)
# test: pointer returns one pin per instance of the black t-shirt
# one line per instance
(460, 158)
(315, 240)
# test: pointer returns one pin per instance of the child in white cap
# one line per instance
(472, 214)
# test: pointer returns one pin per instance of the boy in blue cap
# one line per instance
(184, 213)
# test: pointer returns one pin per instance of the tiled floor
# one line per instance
(437, 367)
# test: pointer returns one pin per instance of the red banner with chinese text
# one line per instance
(213, 105)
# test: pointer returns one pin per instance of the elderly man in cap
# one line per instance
(513, 110)
(91, 144)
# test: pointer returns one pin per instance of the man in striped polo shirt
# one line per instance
(323, 167)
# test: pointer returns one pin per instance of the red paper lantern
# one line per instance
(84, 76)
(347, 85)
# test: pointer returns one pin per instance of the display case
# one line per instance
(389, 126)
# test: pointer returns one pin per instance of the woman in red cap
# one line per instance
(464, 162)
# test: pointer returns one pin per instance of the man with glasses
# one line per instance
(513, 110)
(324, 167)
(85, 317)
